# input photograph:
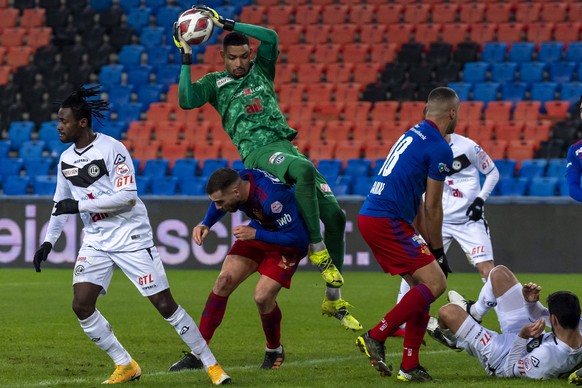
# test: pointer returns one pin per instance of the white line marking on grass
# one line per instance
(298, 363)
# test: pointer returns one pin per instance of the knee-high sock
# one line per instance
(303, 173)
(413, 303)
(486, 300)
(100, 332)
(212, 315)
(272, 327)
(415, 330)
(186, 328)
(334, 220)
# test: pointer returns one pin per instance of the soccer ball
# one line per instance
(195, 27)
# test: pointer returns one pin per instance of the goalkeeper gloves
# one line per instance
(66, 206)
(219, 21)
(441, 258)
(42, 254)
(475, 211)
(185, 49)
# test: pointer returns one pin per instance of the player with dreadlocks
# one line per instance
(96, 178)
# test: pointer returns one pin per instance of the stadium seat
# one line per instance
(503, 72)
(8, 17)
(400, 33)
(571, 92)
(167, 74)
(389, 14)
(131, 55)
(514, 92)
(538, 130)
(16, 185)
(330, 169)
(561, 71)
(486, 91)
(531, 72)
(557, 109)
(463, 89)
(373, 33)
(45, 185)
(308, 73)
(556, 168)
(496, 149)
(544, 91)
(527, 12)
(143, 183)
(385, 111)
(110, 75)
(483, 32)
(526, 110)
(471, 110)
(195, 186)
(455, 33)
(322, 150)
(543, 186)
(149, 93)
(211, 165)
(130, 112)
(550, 51)
(510, 32)
(308, 14)
(185, 169)
(554, 12)
(532, 168)
(521, 150)
(411, 111)
(280, 15)
(4, 148)
(506, 167)
(472, 12)
(362, 185)
(417, 13)
(139, 75)
(357, 167)
(498, 12)
(521, 52)
(539, 32)
(391, 131)
(156, 168)
(509, 130)
(19, 132)
(289, 34)
(31, 149)
(512, 186)
(567, 31)
(475, 72)
(39, 166)
(319, 92)
(165, 186)
(335, 14)
(299, 53)
(317, 34)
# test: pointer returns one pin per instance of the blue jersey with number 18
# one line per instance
(420, 152)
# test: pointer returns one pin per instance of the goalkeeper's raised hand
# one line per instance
(185, 49)
(41, 254)
(218, 20)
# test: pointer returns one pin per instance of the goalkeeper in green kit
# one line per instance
(244, 96)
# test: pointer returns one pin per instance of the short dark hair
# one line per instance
(235, 39)
(566, 307)
(221, 179)
(83, 104)
(442, 94)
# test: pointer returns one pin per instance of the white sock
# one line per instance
(99, 331)
(277, 350)
(188, 331)
(332, 293)
(404, 288)
(317, 247)
(486, 300)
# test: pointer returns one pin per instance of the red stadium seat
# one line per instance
(313, 133)
(412, 111)
(366, 73)
(472, 13)
(196, 132)
(373, 33)
(385, 111)
(357, 111)
(339, 72)
(480, 130)
(416, 13)
(280, 14)
(299, 53)
(12, 37)
(498, 111)
(267, 2)
(555, 12)
(366, 131)
(483, 32)
(319, 92)
(539, 32)
(344, 33)
(498, 12)
(356, 52)
(5, 72)
(390, 131)
(337, 130)
(322, 150)
(253, 14)
(38, 37)
(389, 13)
(140, 130)
(212, 55)
(285, 73)
(323, 2)
(538, 130)
(160, 111)
(348, 149)
(362, 14)
(427, 33)
(347, 92)
(520, 150)
(328, 111)
(575, 11)
(205, 151)
(567, 32)
(146, 151)
(229, 152)
(169, 131)
(335, 14)
(527, 110)
(327, 53)
(455, 33)
(509, 130)
(32, 17)
(289, 34)
(384, 53)
(307, 14)
(173, 151)
(470, 110)
(377, 150)
(8, 18)
(301, 111)
(557, 109)
(444, 13)
(527, 12)
(317, 33)
(400, 33)
(496, 149)
(510, 32)
(310, 72)
(294, 2)
(18, 56)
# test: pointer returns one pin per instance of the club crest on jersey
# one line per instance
(119, 159)
(122, 169)
(79, 270)
(93, 170)
(223, 81)
(70, 172)
(277, 158)
(276, 207)
(443, 168)
(456, 165)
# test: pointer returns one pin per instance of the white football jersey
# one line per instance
(462, 184)
(101, 169)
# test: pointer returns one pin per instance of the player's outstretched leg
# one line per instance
(376, 353)
(436, 333)
(339, 309)
(455, 298)
(321, 258)
(123, 373)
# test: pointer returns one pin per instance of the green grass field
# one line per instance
(42, 344)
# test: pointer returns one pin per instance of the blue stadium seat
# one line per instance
(159, 55)
(340, 189)
(127, 5)
(40, 166)
(463, 89)
(362, 185)
(130, 55)
(31, 149)
(531, 168)
(521, 52)
(574, 52)
(514, 91)
(143, 184)
(19, 132)
(56, 148)
(148, 93)
(4, 148)
(16, 185)
(155, 5)
(494, 52)
(167, 75)
(44, 185)
(357, 167)
(194, 186)
(48, 131)
(563, 187)
(550, 51)
(227, 11)
(503, 72)
(110, 75)
(10, 166)
(556, 168)
(130, 112)
(119, 95)
(475, 72)
(561, 71)
(152, 36)
(237, 165)
(210, 3)
(543, 187)
(156, 168)
(101, 5)
(139, 75)
(138, 18)
(330, 169)
(164, 186)
(512, 186)
(486, 91)
(506, 167)
(166, 16)
(571, 91)
(544, 91)
(211, 165)
(531, 72)
(185, 168)
(115, 129)
(377, 165)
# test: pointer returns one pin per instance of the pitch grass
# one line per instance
(42, 345)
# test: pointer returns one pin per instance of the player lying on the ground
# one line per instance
(272, 244)
(522, 349)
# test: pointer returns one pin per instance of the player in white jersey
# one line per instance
(96, 178)
(522, 349)
(463, 200)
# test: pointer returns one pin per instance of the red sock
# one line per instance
(272, 327)
(417, 300)
(212, 315)
(415, 330)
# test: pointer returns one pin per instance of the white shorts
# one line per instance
(488, 346)
(474, 239)
(143, 267)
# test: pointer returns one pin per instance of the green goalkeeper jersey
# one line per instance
(248, 105)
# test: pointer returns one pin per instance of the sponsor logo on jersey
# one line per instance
(456, 165)
(80, 160)
(527, 365)
(223, 81)
(119, 159)
(93, 170)
(248, 91)
(122, 169)
(277, 158)
(71, 172)
(276, 207)
(81, 258)
(535, 361)
(324, 187)
(420, 134)
(443, 168)
(254, 107)
(79, 270)
(284, 220)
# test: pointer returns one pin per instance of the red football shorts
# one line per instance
(397, 247)
(275, 261)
